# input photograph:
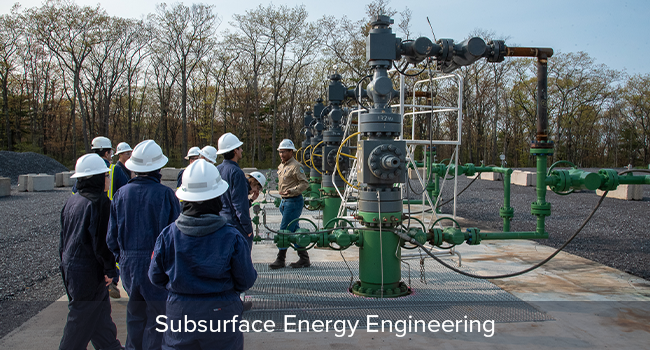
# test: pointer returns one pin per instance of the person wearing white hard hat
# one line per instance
(192, 155)
(139, 212)
(102, 146)
(292, 183)
(256, 182)
(204, 263)
(208, 153)
(87, 265)
(236, 207)
(123, 152)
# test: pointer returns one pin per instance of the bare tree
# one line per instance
(188, 32)
(10, 30)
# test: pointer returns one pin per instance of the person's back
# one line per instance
(204, 263)
(139, 212)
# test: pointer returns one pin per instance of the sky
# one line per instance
(614, 33)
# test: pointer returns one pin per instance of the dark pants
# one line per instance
(146, 302)
(205, 310)
(89, 318)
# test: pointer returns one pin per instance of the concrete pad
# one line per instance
(523, 178)
(5, 186)
(593, 306)
(22, 182)
(169, 174)
(625, 192)
(40, 182)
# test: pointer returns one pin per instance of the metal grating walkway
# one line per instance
(320, 293)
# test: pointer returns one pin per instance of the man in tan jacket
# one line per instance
(292, 182)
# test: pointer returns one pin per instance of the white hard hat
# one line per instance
(193, 152)
(147, 156)
(123, 147)
(209, 153)
(88, 165)
(201, 182)
(228, 142)
(286, 144)
(259, 177)
(101, 142)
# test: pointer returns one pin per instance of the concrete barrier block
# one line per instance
(472, 177)
(5, 186)
(625, 192)
(63, 179)
(40, 182)
(169, 174)
(491, 176)
(249, 170)
(22, 182)
(413, 175)
(67, 181)
(523, 178)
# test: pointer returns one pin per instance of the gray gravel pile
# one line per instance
(13, 164)
(616, 236)
(29, 258)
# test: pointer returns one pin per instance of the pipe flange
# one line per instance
(386, 162)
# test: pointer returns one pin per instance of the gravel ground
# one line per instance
(13, 164)
(616, 236)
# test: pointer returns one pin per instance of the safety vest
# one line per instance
(110, 187)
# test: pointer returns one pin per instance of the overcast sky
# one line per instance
(615, 33)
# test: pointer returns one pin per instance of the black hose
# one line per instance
(543, 262)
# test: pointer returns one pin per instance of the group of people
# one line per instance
(180, 253)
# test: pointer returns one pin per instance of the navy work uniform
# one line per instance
(205, 264)
(236, 207)
(85, 260)
(139, 212)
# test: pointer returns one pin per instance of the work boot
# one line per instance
(113, 291)
(303, 261)
(279, 261)
(247, 305)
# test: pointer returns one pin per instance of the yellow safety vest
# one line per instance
(110, 187)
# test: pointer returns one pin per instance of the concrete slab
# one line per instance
(5, 186)
(40, 182)
(169, 174)
(625, 192)
(593, 306)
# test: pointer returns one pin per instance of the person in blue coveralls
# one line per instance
(103, 147)
(205, 264)
(123, 153)
(235, 201)
(139, 212)
(192, 155)
(87, 266)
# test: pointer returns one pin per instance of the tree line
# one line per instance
(182, 77)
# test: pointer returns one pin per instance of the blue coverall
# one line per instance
(204, 263)
(139, 212)
(85, 259)
(236, 207)
(126, 172)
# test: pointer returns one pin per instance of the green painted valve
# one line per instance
(277, 202)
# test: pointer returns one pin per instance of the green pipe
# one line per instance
(634, 180)
(412, 201)
(512, 235)
(541, 208)
(506, 212)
